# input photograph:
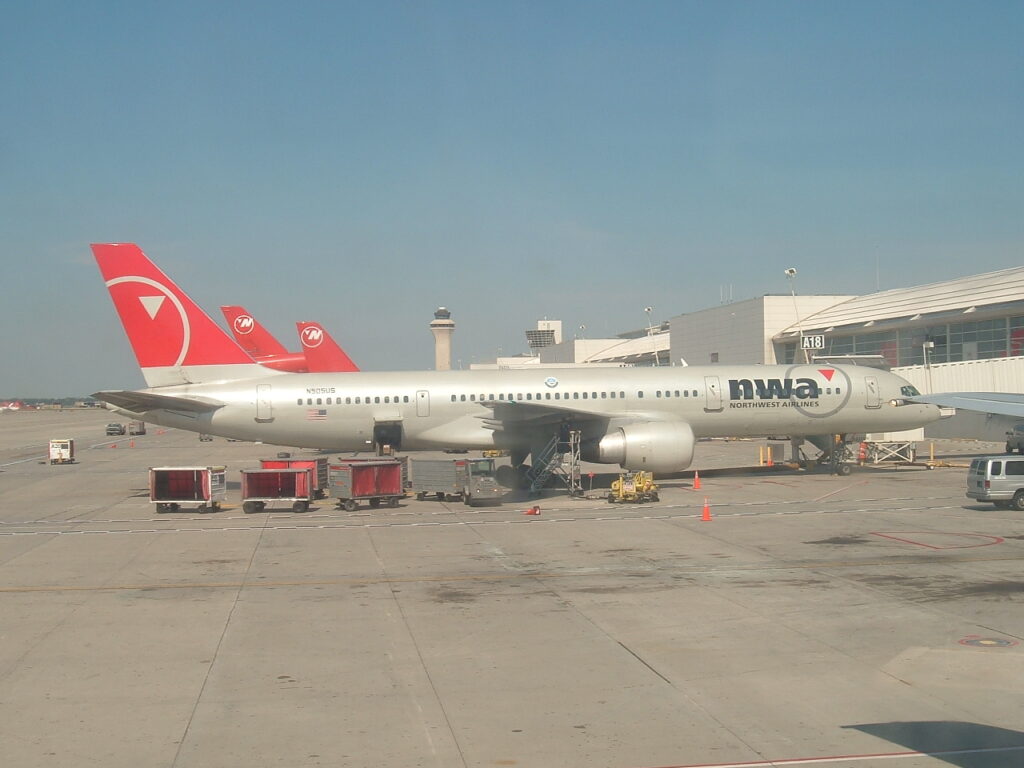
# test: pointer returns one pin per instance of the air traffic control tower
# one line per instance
(442, 327)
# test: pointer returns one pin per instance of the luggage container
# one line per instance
(317, 466)
(376, 481)
(172, 487)
(62, 451)
(471, 480)
(269, 486)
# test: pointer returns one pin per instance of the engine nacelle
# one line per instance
(655, 446)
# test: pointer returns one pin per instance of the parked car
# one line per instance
(999, 479)
(1015, 439)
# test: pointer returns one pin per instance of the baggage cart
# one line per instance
(62, 451)
(136, 427)
(261, 487)
(469, 480)
(172, 487)
(317, 466)
(375, 481)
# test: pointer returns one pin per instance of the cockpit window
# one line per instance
(909, 391)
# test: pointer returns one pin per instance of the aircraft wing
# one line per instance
(1002, 403)
(516, 414)
(140, 402)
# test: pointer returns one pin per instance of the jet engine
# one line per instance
(655, 446)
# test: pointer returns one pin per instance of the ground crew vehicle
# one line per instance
(1015, 439)
(171, 487)
(376, 481)
(136, 427)
(317, 466)
(113, 428)
(633, 488)
(999, 479)
(62, 451)
(471, 480)
(267, 486)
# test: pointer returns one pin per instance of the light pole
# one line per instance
(791, 276)
(650, 336)
(925, 348)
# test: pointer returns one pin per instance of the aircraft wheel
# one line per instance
(250, 506)
(844, 469)
(201, 508)
(350, 505)
(393, 501)
(1018, 500)
(300, 506)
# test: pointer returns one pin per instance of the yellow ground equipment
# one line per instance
(633, 487)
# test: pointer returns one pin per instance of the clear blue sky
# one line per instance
(362, 163)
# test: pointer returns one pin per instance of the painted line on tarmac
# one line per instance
(282, 515)
(850, 758)
(257, 526)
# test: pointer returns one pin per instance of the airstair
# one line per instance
(560, 458)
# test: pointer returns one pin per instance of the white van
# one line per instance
(999, 479)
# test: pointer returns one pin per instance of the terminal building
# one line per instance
(963, 335)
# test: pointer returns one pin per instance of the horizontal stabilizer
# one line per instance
(140, 402)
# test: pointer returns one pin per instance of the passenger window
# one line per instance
(658, 393)
(640, 393)
(997, 468)
(575, 395)
(593, 395)
(547, 395)
(837, 390)
(558, 395)
(1015, 468)
(299, 401)
(405, 398)
(677, 393)
(376, 399)
(472, 398)
(309, 401)
(519, 396)
(584, 395)
(604, 395)
(613, 395)
(387, 399)
(348, 401)
(328, 401)
(462, 398)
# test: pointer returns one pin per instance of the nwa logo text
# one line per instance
(773, 393)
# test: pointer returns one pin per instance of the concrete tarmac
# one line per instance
(869, 620)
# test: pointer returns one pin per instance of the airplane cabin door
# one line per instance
(713, 394)
(264, 404)
(874, 395)
(422, 403)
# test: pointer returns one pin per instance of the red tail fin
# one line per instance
(250, 335)
(167, 330)
(323, 355)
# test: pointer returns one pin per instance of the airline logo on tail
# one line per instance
(312, 336)
(243, 324)
(165, 327)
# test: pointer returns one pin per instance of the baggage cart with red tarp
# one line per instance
(376, 481)
(269, 486)
(318, 466)
(172, 487)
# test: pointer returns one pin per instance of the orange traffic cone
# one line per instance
(532, 511)
(131, 443)
(771, 461)
(696, 480)
(706, 514)
(113, 445)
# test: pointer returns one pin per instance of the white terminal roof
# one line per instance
(963, 295)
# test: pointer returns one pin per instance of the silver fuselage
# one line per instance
(445, 409)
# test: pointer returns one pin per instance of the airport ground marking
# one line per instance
(851, 758)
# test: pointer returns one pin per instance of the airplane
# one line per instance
(199, 379)
(260, 344)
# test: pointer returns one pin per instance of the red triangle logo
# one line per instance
(827, 373)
